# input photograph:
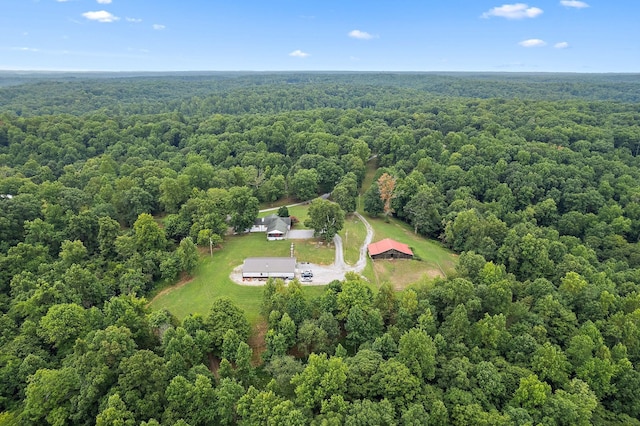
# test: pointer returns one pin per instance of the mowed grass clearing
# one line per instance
(435, 259)
(308, 250)
(353, 235)
(314, 251)
(211, 279)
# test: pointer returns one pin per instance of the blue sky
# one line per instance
(355, 35)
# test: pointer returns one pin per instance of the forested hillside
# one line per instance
(108, 185)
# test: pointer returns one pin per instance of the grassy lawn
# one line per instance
(212, 279)
(298, 211)
(436, 260)
(301, 212)
(281, 202)
(370, 172)
(353, 235)
(313, 251)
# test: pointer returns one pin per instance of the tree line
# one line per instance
(102, 201)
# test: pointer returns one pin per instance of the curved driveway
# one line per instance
(322, 274)
(339, 262)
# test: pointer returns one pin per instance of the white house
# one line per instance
(275, 226)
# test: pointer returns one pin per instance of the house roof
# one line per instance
(388, 244)
(278, 225)
(269, 264)
(267, 220)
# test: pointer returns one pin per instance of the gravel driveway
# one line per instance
(300, 234)
(322, 274)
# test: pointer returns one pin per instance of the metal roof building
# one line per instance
(389, 249)
(267, 267)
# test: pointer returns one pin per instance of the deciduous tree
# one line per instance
(243, 207)
(386, 186)
(325, 218)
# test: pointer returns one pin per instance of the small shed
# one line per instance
(389, 249)
(269, 267)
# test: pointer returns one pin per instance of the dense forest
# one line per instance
(109, 183)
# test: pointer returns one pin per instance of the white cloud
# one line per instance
(100, 16)
(104, 1)
(561, 45)
(532, 42)
(574, 3)
(299, 54)
(158, 27)
(134, 20)
(25, 49)
(361, 35)
(513, 11)
(132, 49)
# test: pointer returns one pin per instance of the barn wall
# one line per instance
(392, 254)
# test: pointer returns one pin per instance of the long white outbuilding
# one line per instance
(269, 267)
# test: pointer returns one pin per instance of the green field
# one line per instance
(314, 251)
(212, 279)
(435, 259)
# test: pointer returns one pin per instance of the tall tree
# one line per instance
(322, 378)
(108, 230)
(345, 200)
(373, 203)
(423, 211)
(325, 218)
(115, 413)
(148, 234)
(386, 186)
(49, 396)
(142, 382)
(225, 315)
(417, 351)
(243, 207)
(188, 255)
(304, 184)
